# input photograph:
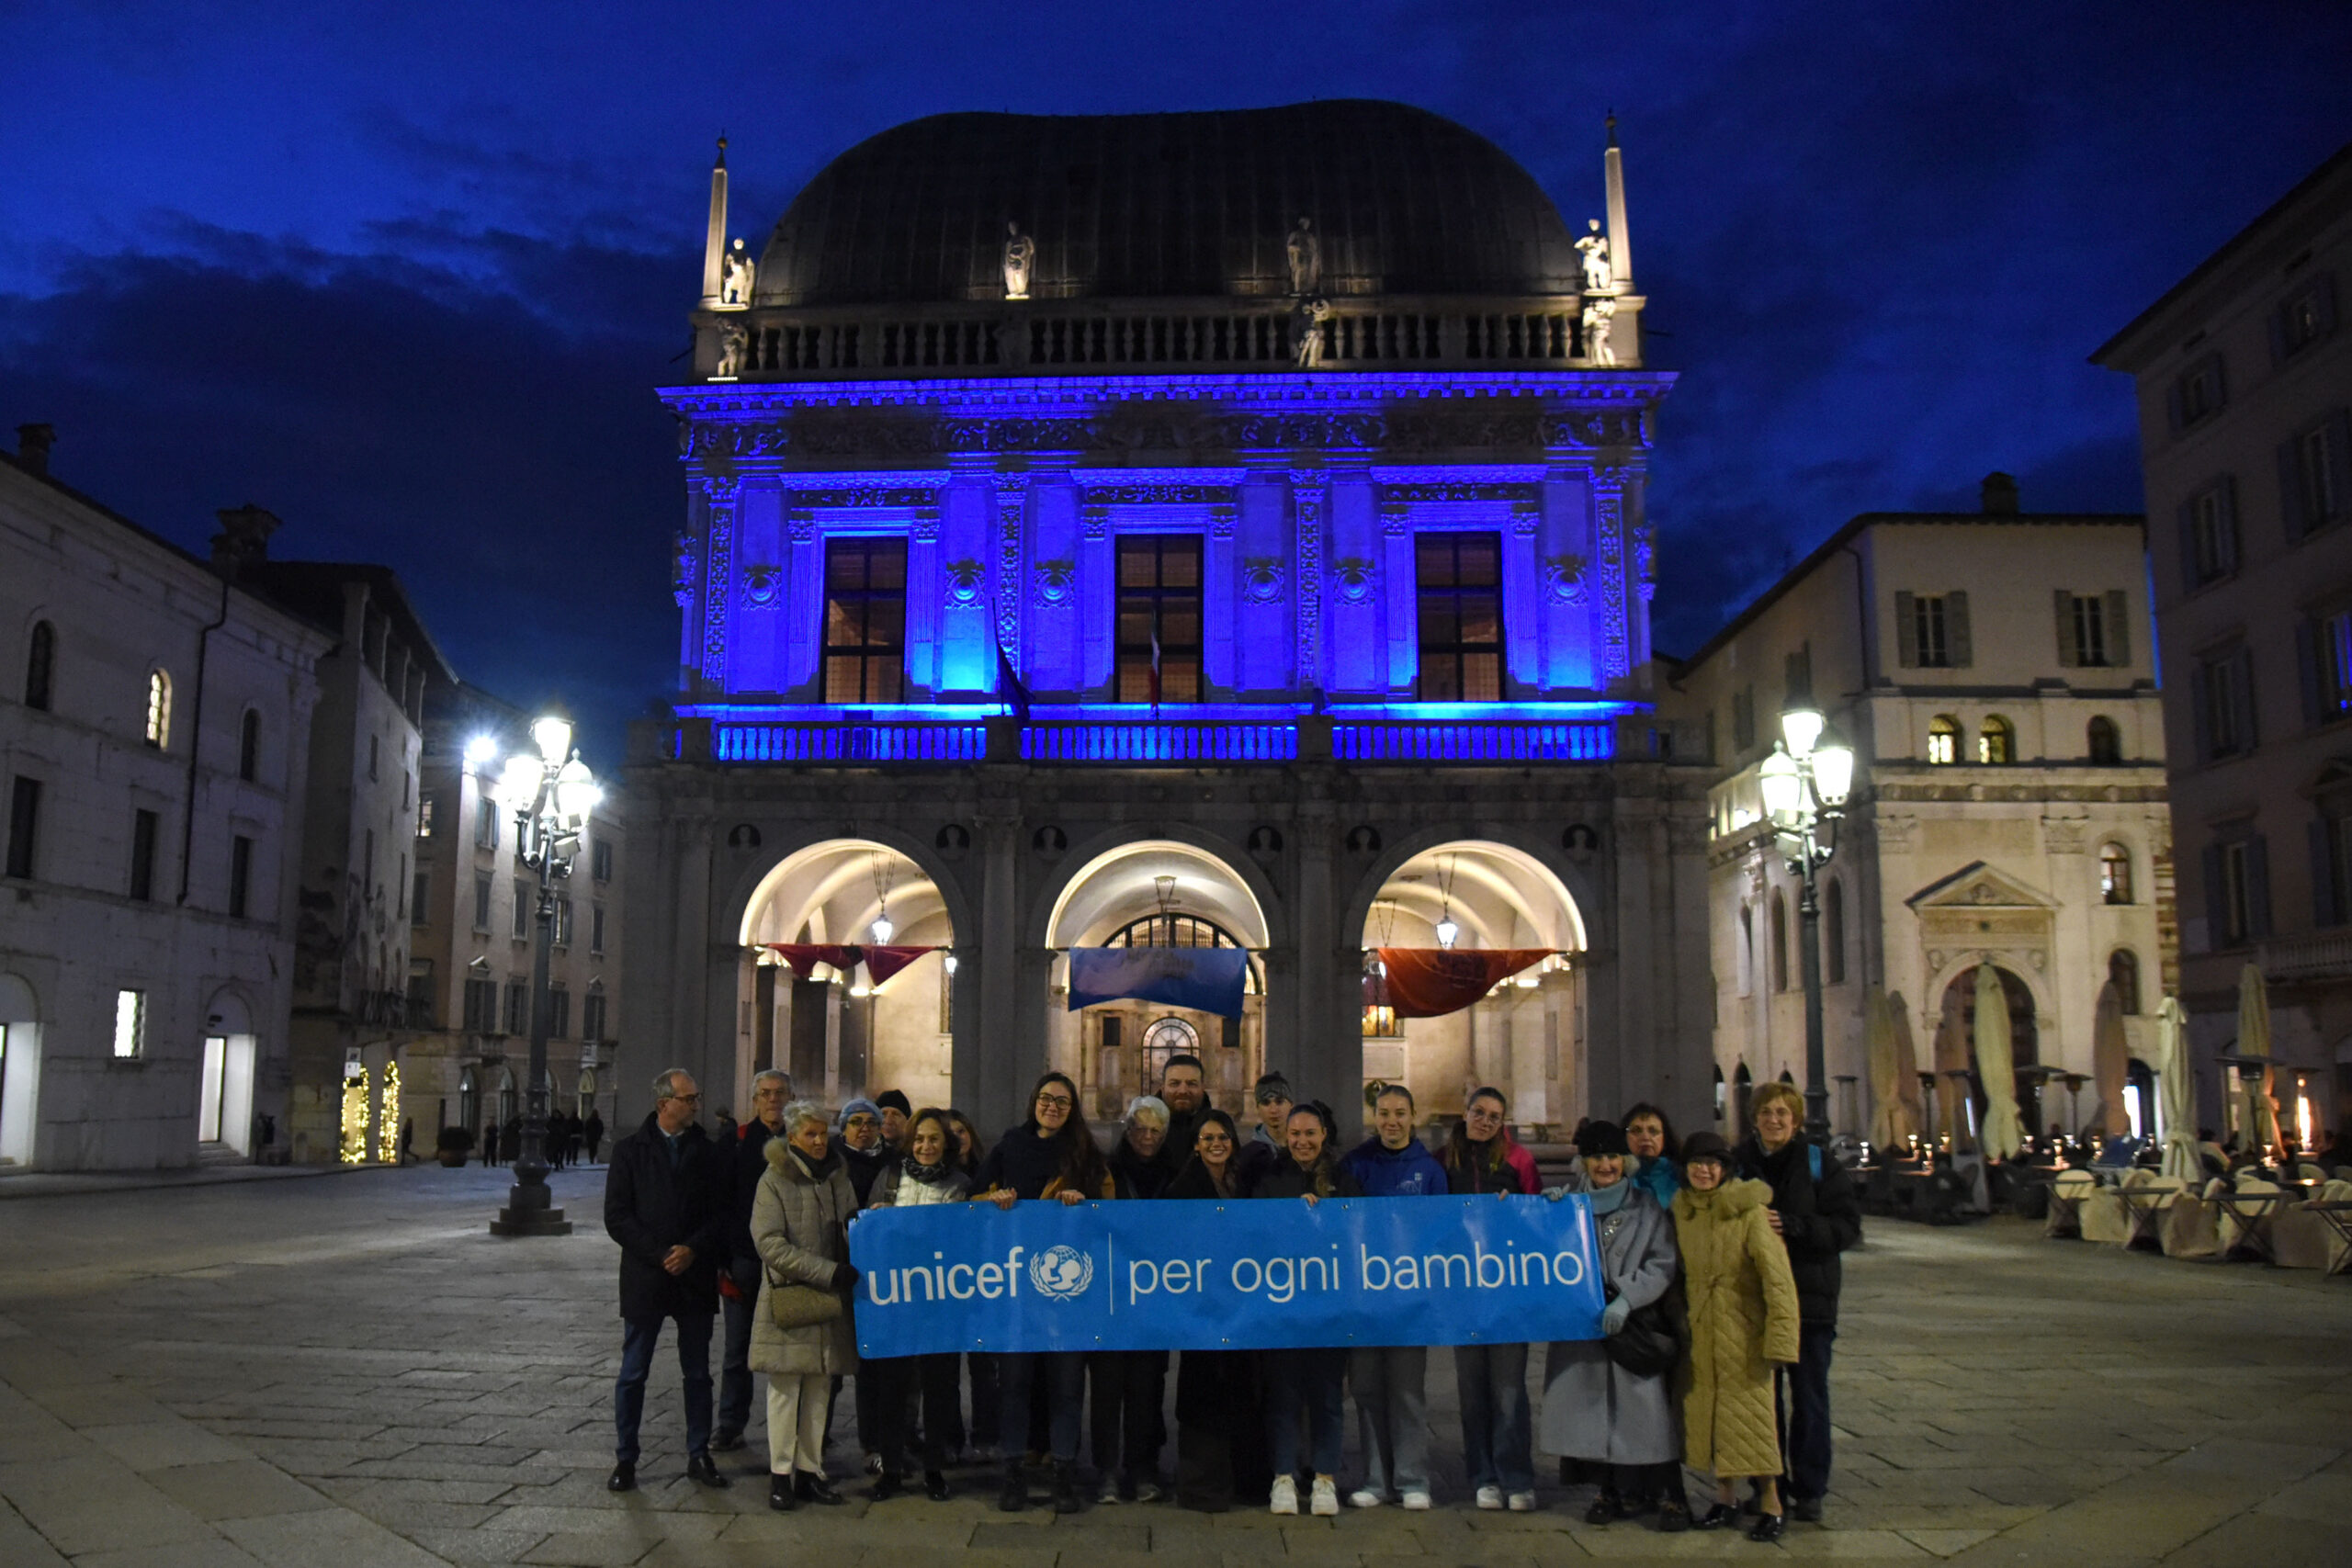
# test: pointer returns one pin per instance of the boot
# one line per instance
(1066, 1497)
(1015, 1495)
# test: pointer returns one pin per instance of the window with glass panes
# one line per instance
(1459, 578)
(866, 619)
(1159, 610)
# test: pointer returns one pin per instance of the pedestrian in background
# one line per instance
(1391, 1382)
(665, 1204)
(1497, 1435)
(1314, 1376)
(799, 1228)
(593, 1131)
(1595, 1409)
(490, 1143)
(1818, 1214)
(1743, 1307)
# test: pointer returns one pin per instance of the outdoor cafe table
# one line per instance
(2255, 1210)
(2337, 1212)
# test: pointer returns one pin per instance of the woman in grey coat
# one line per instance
(1593, 1408)
(799, 1217)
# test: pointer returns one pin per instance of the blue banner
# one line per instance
(1201, 1275)
(1207, 978)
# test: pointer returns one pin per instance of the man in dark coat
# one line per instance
(1818, 1214)
(666, 1202)
(739, 1285)
(593, 1131)
(1184, 1090)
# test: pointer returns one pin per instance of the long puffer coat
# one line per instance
(799, 1225)
(1742, 1303)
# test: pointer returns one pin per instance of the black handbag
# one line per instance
(1654, 1336)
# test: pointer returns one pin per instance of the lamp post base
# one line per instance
(528, 1213)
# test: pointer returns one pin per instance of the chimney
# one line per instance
(1999, 494)
(244, 539)
(33, 442)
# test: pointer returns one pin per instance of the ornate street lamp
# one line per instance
(1805, 784)
(551, 795)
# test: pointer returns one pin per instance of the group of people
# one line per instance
(568, 1138)
(1720, 1269)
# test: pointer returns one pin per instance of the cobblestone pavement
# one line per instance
(348, 1373)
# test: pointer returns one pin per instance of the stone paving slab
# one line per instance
(349, 1373)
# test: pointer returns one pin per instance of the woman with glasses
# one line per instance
(1658, 1153)
(1315, 1376)
(926, 1174)
(1128, 1385)
(1497, 1440)
(1220, 1422)
(1050, 1156)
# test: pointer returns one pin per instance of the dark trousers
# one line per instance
(735, 1365)
(980, 1370)
(1062, 1374)
(897, 1381)
(1128, 1387)
(1318, 1378)
(638, 1343)
(1802, 1399)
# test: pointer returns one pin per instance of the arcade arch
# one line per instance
(224, 1109)
(19, 1068)
(1156, 893)
(1526, 1036)
(834, 1031)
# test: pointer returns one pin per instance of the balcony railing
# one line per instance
(1119, 742)
(2322, 955)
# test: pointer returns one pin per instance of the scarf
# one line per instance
(1609, 1199)
(928, 1175)
(821, 1168)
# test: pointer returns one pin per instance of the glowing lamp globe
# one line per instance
(575, 790)
(1801, 728)
(1447, 931)
(883, 930)
(518, 785)
(1833, 772)
(1783, 788)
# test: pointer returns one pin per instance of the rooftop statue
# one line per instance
(1305, 254)
(1311, 316)
(735, 282)
(733, 341)
(1599, 275)
(1020, 260)
(1599, 311)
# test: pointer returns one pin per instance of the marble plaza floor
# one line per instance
(352, 1373)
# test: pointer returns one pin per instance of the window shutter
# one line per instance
(2327, 898)
(2290, 490)
(1956, 643)
(2069, 655)
(2340, 461)
(2225, 502)
(1907, 629)
(2257, 886)
(2242, 675)
(2307, 668)
(2200, 709)
(2190, 576)
(2217, 921)
(2119, 627)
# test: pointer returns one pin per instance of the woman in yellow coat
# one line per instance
(1742, 1303)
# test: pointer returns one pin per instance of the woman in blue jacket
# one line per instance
(1391, 1402)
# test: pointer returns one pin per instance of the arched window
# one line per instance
(1997, 742)
(2106, 742)
(1184, 930)
(249, 746)
(2123, 973)
(1833, 932)
(158, 710)
(2114, 873)
(40, 665)
(1943, 738)
(1722, 1092)
(1743, 1095)
(1780, 942)
(469, 1101)
(1747, 950)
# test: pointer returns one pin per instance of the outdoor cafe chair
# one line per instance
(2068, 1192)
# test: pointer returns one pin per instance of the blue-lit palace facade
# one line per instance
(1216, 528)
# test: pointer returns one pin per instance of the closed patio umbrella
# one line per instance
(2260, 1126)
(1892, 1123)
(1906, 1063)
(2111, 1061)
(1951, 1058)
(1996, 1065)
(2178, 1090)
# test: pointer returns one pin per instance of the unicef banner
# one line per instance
(1207, 1276)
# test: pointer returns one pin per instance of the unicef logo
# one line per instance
(1061, 1273)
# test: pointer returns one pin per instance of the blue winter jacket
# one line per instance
(1409, 1172)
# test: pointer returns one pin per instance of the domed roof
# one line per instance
(1401, 201)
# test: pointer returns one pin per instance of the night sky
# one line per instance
(408, 279)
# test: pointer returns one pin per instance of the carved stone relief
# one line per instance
(1262, 580)
(965, 580)
(760, 584)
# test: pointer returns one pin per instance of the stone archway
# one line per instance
(20, 1042)
(1957, 1014)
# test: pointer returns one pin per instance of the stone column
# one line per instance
(721, 495)
(983, 1047)
(1307, 577)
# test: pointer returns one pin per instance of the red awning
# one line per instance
(1429, 982)
(881, 962)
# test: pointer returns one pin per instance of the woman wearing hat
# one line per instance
(1743, 1305)
(1593, 1408)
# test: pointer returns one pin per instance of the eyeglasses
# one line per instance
(862, 1121)
(1062, 1100)
(1211, 1141)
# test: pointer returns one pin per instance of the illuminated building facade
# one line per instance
(1205, 528)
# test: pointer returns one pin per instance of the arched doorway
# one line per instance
(836, 1031)
(224, 1108)
(19, 1068)
(469, 1101)
(1960, 1010)
(1155, 893)
(510, 1105)
(1524, 1037)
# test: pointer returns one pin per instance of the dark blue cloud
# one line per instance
(409, 278)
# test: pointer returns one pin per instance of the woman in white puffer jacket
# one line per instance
(928, 1174)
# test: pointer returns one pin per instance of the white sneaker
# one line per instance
(1417, 1502)
(1286, 1497)
(1364, 1497)
(1520, 1503)
(1491, 1499)
(1326, 1501)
